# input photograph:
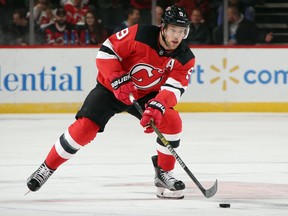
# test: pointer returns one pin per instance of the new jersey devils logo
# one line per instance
(146, 76)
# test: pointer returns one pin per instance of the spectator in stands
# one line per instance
(7, 8)
(42, 13)
(190, 5)
(60, 32)
(92, 33)
(133, 16)
(165, 3)
(144, 7)
(76, 11)
(158, 13)
(241, 30)
(111, 13)
(46, 18)
(246, 7)
(199, 31)
(2, 6)
(38, 8)
(18, 33)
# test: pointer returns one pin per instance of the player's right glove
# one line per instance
(153, 112)
(122, 87)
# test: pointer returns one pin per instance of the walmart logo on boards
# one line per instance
(225, 75)
(224, 69)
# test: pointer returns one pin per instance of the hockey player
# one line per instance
(154, 65)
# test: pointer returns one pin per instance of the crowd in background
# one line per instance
(90, 22)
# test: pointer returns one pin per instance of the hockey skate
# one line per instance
(39, 177)
(164, 180)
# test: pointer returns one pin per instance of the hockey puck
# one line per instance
(224, 205)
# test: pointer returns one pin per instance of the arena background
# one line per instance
(57, 80)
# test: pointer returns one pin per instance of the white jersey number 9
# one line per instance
(121, 34)
(189, 73)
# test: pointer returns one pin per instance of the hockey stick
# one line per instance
(206, 192)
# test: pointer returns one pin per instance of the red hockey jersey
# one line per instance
(136, 50)
(56, 37)
(74, 14)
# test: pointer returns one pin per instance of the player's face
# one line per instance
(173, 36)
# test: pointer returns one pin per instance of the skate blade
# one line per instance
(162, 193)
(27, 192)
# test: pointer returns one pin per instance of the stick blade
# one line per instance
(212, 191)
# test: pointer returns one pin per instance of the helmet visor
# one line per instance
(177, 31)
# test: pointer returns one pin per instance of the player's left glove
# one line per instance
(153, 112)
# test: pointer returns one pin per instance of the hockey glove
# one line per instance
(153, 112)
(122, 87)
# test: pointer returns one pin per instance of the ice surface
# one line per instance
(246, 152)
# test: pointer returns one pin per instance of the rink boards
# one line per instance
(230, 79)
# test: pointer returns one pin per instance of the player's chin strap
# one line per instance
(207, 193)
(163, 37)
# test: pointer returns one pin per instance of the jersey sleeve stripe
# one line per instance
(175, 87)
(105, 55)
(106, 51)
(175, 84)
(175, 91)
(181, 90)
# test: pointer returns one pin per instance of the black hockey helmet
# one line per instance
(175, 15)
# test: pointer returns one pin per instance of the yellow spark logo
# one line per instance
(219, 78)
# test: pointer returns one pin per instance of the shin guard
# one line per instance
(79, 134)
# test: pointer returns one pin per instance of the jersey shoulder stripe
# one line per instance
(148, 34)
(183, 53)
